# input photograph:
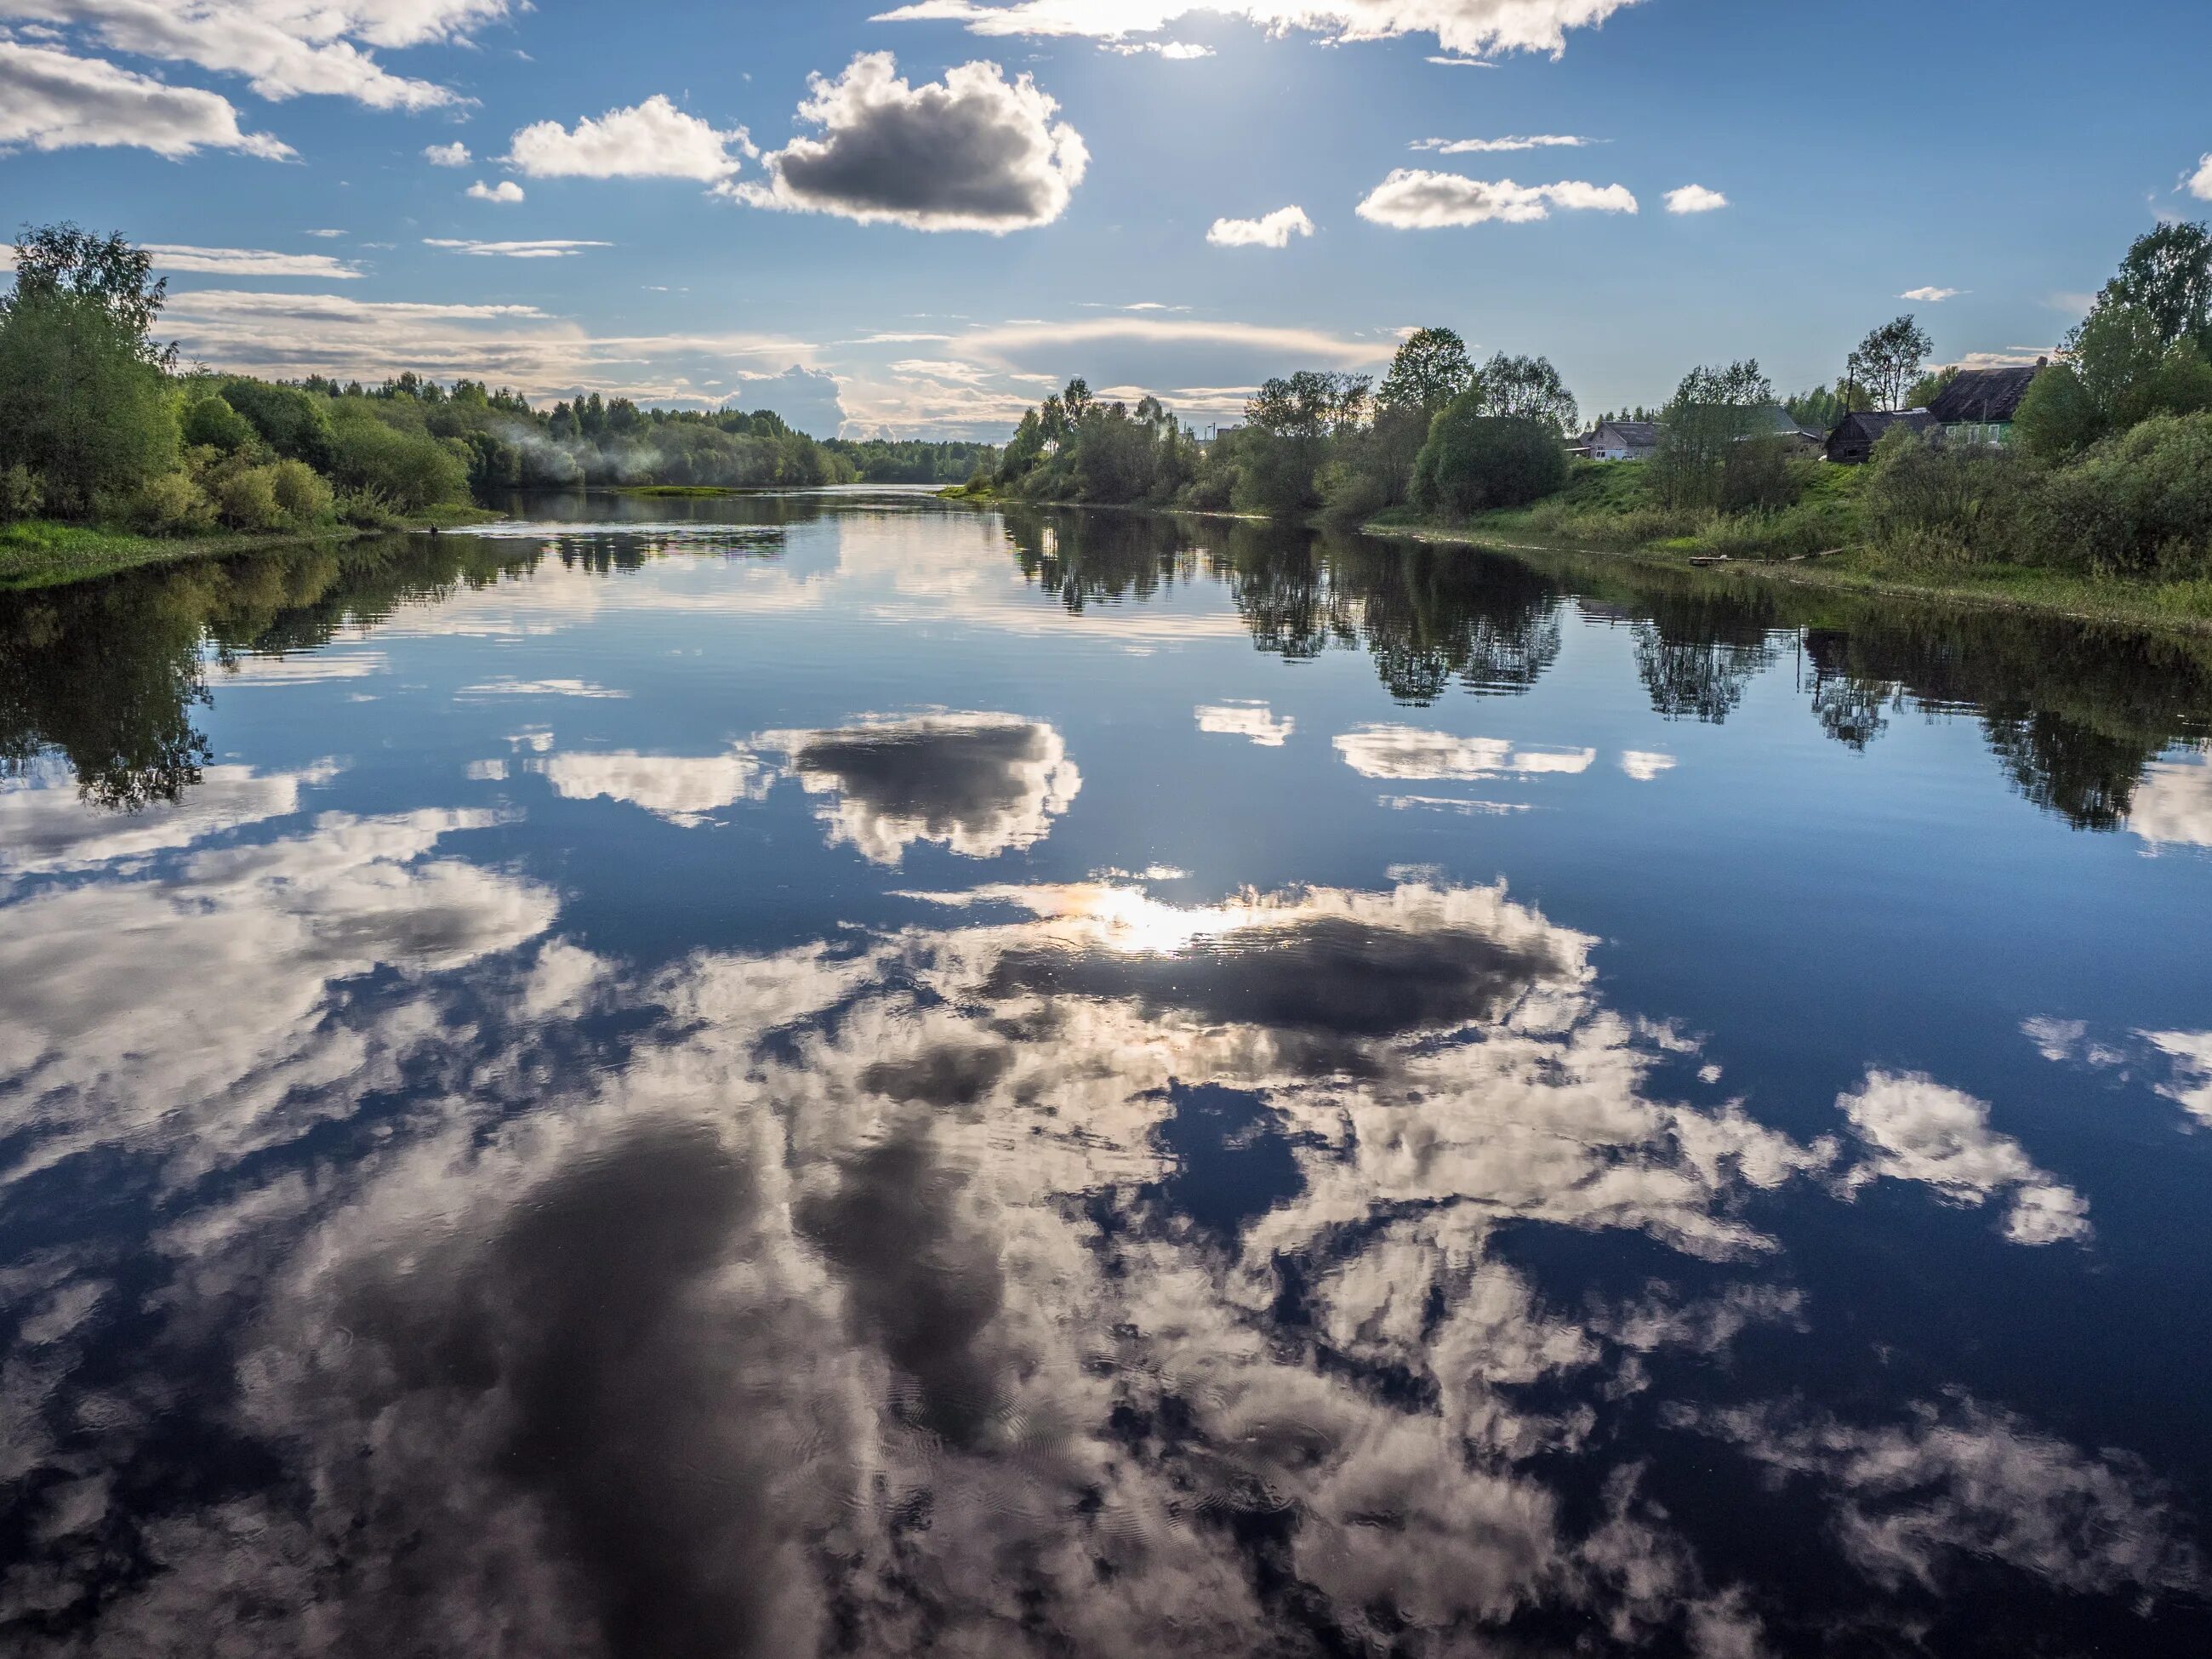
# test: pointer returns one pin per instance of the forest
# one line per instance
(100, 425)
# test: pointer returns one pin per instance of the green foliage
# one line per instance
(405, 470)
(2058, 418)
(246, 498)
(1965, 499)
(1713, 410)
(212, 421)
(295, 423)
(172, 504)
(303, 496)
(2138, 504)
(1525, 389)
(80, 406)
(2167, 277)
(1430, 368)
(21, 495)
(1888, 361)
(1475, 459)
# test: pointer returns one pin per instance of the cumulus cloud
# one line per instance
(1410, 753)
(1254, 721)
(2200, 182)
(1414, 199)
(546, 250)
(49, 99)
(46, 825)
(651, 140)
(682, 788)
(1695, 198)
(1919, 1130)
(972, 152)
(506, 191)
(2190, 1085)
(980, 784)
(455, 155)
(1931, 296)
(1271, 230)
(2173, 805)
(1644, 764)
(1500, 146)
(285, 49)
(1467, 28)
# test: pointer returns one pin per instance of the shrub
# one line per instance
(215, 424)
(1757, 475)
(172, 504)
(407, 470)
(246, 498)
(21, 495)
(1472, 461)
(296, 424)
(302, 495)
(2138, 504)
(1930, 494)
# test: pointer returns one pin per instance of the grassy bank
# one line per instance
(39, 553)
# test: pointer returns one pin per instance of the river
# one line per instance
(837, 1073)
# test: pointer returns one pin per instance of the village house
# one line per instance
(1979, 405)
(1851, 444)
(1623, 440)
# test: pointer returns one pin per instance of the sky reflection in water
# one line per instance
(842, 1076)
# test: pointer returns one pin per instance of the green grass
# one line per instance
(40, 553)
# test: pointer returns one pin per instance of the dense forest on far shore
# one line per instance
(99, 426)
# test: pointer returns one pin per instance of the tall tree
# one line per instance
(1526, 389)
(1430, 369)
(1889, 360)
(1713, 411)
(2167, 274)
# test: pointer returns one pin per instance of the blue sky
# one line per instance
(714, 196)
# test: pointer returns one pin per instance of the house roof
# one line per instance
(1783, 424)
(1983, 395)
(1642, 434)
(1872, 424)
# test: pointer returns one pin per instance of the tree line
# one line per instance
(99, 424)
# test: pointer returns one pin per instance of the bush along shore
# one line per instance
(2094, 498)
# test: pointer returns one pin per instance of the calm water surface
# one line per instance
(836, 1075)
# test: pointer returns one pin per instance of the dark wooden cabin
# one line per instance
(1851, 444)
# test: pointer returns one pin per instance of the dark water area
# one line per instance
(832, 1075)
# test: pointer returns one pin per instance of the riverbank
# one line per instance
(2185, 606)
(40, 553)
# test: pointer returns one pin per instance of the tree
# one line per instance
(2167, 274)
(84, 401)
(1526, 389)
(1475, 459)
(1430, 369)
(1888, 361)
(1712, 410)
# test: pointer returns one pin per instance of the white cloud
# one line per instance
(52, 100)
(547, 250)
(980, 784)
(1643, 765)
(327, 234)
(1465, 27)
(2200, 182)
(972, 152)
(1919, 1130)
(1931, 296)
(2173, 805)
(1410, 753)
(250, 262)
(510, 687)
(1271, 230)
(1500, 146)
(1252, 720)
(651, 140)
(506, 191)
(285, 48)
(2191, 1083)
(1175, 52)
(682, 788)
(455, 155)
(46, 825)
(1413, 198)
(1695, 198)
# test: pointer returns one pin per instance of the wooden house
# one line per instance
(1851, 444)
(1979, 405)
(1623, 440)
